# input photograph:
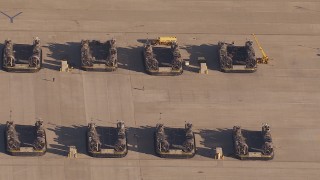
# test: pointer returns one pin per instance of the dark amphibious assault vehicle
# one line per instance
(107, 141)
(22, 57)
(174, 142)
(25, 140)
(237, 58)
(154, 67)
(99, 56)
(261, 144)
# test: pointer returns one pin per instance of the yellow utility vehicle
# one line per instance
(165, 40)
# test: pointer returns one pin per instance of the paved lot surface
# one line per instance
(284, 93)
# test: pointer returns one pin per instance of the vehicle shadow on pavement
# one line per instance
(144, 41)
(68, 136)
(1, 53)
(51, 64)
(141, 139)
(69, 51)
(130, 58)
(215, 138)
(208, 51)
(2, 143)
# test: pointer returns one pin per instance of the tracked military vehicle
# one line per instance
(174, 142)
(237, 58)
(260, 148)
(171, 64)
(99, 56)
(25, 140)
(107, 142)
(22, 57)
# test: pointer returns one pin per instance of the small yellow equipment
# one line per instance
(219, 153)
(203, 65)
(166, 40)
(65, 66)
(72, 152)
(265, 58)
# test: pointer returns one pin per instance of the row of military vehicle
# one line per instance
(28, 58)
(113, 142)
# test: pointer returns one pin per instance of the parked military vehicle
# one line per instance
(262, 139)
(22, 57)
(237, 58)
(152, 56)
(174, 142)
(107, 141)
(99, 56)
(25, 140)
